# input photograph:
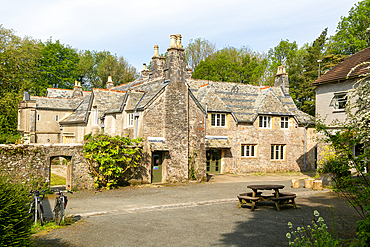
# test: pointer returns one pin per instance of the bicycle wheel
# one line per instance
(40, 214)
(58, 211)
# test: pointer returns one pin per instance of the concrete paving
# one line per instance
(194, 214)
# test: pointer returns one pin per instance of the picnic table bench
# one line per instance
(251, 198)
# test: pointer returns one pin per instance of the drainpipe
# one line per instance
(61, 141)
(236, 143)
(304, 148)
(136, 116)
(205, 119)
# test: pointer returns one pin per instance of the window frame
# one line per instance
(278, 150)
(248, 150)
(284, 123)
(218, 119)
(340, 101)
(130, 120)
(265, 123)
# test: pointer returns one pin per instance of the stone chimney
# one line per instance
(189, 73)
(282, 80)
(109, 83)
(145, 72)
(157, 64)
(175, 66)
(77, 90)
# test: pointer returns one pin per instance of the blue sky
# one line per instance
(132, 28)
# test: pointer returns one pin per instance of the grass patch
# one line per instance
(57, 180)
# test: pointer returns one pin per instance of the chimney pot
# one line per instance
(173, 41)
(179, 41)
(110, 79)
(144, 66)
(156, 54)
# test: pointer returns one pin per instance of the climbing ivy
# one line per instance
(110, 157)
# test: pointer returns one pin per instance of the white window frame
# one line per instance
(284, 123)
(96, 116)
(265, 122)
(218, 120)
(278, 152)
(248, 150)
(340, 101)
(56, 118)
(130, 119)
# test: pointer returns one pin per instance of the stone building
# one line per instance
(188, 125)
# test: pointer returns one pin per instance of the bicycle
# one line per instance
(60, 204)
(36, 209)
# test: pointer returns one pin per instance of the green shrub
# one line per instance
(315, 235)
(15, 226)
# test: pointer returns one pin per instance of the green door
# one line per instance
(157, 167)
(213, 161)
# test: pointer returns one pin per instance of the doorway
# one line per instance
(213, 161)
(157, 160)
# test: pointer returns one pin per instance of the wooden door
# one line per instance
(213, 161)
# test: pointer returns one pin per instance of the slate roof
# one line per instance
(341, 70)
(62, 93)
(56, 103)
(245, 101)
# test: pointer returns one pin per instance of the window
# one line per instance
(56, 118)
(284, 122)
(38, 117)
(218, 120)
(277, 152)
(248, 150)
(130, 119)
(96, 116)
(265, 122)
(340, 101)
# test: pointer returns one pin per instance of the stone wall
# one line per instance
(33, 161)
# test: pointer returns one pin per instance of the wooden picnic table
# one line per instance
(256, 196)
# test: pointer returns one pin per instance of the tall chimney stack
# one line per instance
(109, 83)
(282, 79)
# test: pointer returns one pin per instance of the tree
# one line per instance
(198, 50)
(95, 67)
(233, 65)
(19, 59)
(352, 33)
(58, 65)
(305, 91)
(113, 156)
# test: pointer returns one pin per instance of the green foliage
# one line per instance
(95, 67)
(58, 65)
(233, 65)
(18, 73)
(192, 174)
(198, 50)
(15, 226)
(315, 235)
(352, 35)
(113, 155)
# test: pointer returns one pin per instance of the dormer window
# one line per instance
(96, 116)
(130, 120)
(218, 120)
(265, 122)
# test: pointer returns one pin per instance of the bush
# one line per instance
(15, 226)
(315, 235)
